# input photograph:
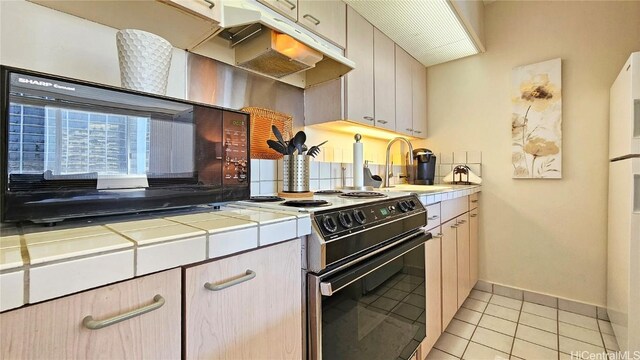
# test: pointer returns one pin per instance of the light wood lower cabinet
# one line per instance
(259, 318)
(433, 252)
(462, 240)
(473, 248)
(55, 329)
(449, 272)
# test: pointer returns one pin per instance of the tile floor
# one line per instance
(490, 326)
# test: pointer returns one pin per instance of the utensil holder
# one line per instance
(295, 173)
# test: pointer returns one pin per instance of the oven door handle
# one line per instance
(335, 283)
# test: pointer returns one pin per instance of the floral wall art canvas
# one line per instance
(536, 122)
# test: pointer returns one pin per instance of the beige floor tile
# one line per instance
(493, 339)
(605, 327)
(474, 304)
(539, 322)
(506, 302)
(527, 350)
(436, 354)
(460, 328)
(451, 344)
(537, 336)
(469, 316)
(579, 333)
(540, 310)
(502, 312)
(610, 342)
(480, 295)
(496, 324)
(481, 352)
(568, 345)
(576, 319)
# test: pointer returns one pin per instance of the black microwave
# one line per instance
(72, 149)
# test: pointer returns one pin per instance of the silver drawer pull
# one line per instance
(88, 321)
(250, 274)
(312, 18)
(293, 6)
(417, 131)
(382, 121)
(409, 129)
(438, 236)
(473, 215)
(454, 226)
(433, 217)
(462, 221)
(474, 201)
(211, 3)
(368, 118)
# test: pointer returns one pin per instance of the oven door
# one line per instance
(372, 308)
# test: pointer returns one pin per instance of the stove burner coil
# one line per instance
(265, 198)
(363, 195)
(306, 203)
(327, 192)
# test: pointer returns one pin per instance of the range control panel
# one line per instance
(235, 149)
(339, 222)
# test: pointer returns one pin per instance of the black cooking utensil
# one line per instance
(315, 149)
(277, 147)
(278, 135)
(298, 140)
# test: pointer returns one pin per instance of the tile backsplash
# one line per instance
(266, 175)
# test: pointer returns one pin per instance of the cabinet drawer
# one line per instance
(433, 216)
(58, 329)
(473, 200)
(453, 208)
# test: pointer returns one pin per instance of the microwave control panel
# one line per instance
(236, 151)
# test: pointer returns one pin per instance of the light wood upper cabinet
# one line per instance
(434, 291)
(209, 9)
(462, 239)
(55, 329)
(359, 81)
(404, 90)
(324, 17)
(449, 272)
(288, 8)
(259, 318)
(419, 96)
(384, 80)
(473, 248)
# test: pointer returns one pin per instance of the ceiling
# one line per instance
(429, 30)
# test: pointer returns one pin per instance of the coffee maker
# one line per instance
(424, 162)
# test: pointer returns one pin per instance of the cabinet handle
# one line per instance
(473, 215)
(462, 221)
(454, 226)
(312, 18)
(368, 118)
(293, 6)
(438, 236)
(433, 217)
(211, 3)
(474, 201)
(250, 274)
(382, 121)
(88, 321)
(409, 129)
(417, 131)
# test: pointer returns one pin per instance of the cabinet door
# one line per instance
(473, 248)
(259, 318)
(384, 80)
(419, 96)
(327, 18)
(360, 80)
(209, 9)
(288, 8)
(449, 272)
(404, 99)
(55, 329)
(434, 290)
(462, 238)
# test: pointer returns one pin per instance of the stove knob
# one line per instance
(360, 217)
(403, 206)
(329, 224)
(412, 204)
(346, 220)
(391, 207)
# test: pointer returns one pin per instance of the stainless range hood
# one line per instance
(266, 42)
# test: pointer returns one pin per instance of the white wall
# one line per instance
(37, 38)
(547, 236)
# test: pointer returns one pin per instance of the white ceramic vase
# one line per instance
(144, 60)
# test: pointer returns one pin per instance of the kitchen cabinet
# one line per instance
(449, 272)
(359, 81)
(404, 90)
(462, 241)
(384, 81)
(419, 99)
(257, 318)
(433, 290)
(473, 248)
(59, 329)
(326, 18)
(287, 8)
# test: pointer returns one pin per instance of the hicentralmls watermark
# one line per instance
(612, 355)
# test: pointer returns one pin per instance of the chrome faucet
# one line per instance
(386, 164)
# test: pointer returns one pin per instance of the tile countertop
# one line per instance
(39, 263)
